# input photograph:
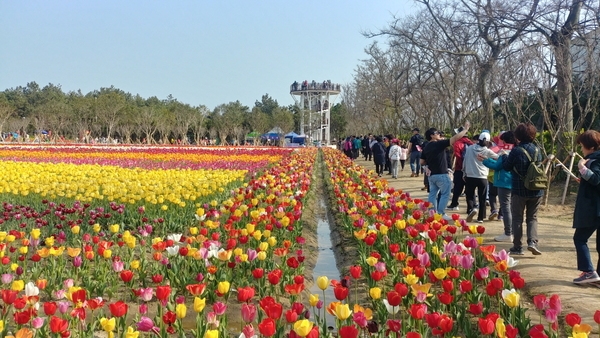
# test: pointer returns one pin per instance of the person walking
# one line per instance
(414, 147)
(503, 182)
(394, 156)
(586, 216)
(523, 201)
(436, 159)
(378, 150)
(476, 174)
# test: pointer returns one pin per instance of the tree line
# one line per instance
(493, 62)
(112, 114)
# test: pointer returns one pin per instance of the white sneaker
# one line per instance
(472, 214)
(447, 217)
(456, 208)
(504, 238)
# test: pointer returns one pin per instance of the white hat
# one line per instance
(485, 136)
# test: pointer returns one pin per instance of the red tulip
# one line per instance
(540, 302)
(163, 292)
(248, 313)
(348, 331)
(340, 292)
(572, 318)
(597, 316)
(169, 318)
(126, 276)
(476, 309)
(418, 311)
(355, 271)
(258, 273)
(445, 325)
(50, 308)
(196, 289)
(118, 309)
(267, 327)
(465, 286)
(511, 331)
(394, 298)
(401, 288)
(245, 294)
(432, 319)
(448, 285)
(22, 317)
(486, 326)
(537, 331)
(58, 325)
(95, 303)
(445, 298)
(9, 296)
(274, 276)
(291, 316)
(413, 335)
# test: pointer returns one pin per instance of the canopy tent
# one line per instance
(273, 134)
(295, 138)
(252, 135)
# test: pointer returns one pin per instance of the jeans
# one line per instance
(481, 184)
(394, 168)
(439, 183)
(504, 199)
(580, 238)
(415, 162)
(518, 206)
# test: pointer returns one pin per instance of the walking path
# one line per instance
(550, 273)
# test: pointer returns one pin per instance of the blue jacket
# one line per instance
(502, 178)
(587, 205)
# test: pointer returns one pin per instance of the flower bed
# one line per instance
(234, 260)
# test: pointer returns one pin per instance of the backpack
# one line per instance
(535, 178)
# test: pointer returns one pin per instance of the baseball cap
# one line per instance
(485, 136)
(416, 129)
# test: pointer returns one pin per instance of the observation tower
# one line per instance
(314, 99)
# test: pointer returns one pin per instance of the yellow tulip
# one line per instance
(114, 228)
(411, 279)
(211, 334)
(323, 282)
(135, 264)
(17, 285)
(272, 241)
(164, 207)
(199, 304)
(375, 292)
(132, 333)
(511, 298)
(75, 229)
(108, 325)
(250, 227)
(96, 227)
(23, 250)
(180, 310)
(193, 231)
(261, 256)
(313, 299)
(1, 325)
(302, 327)
(49, 241)
(440, 273)
(263, 246)
(257, 235)
(342, 311)
(223, 287)
(383, 230)
(500, 328)
(35, 233)
(371, 261)
(107, 253)
(12, 238)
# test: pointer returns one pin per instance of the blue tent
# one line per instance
(295, 138)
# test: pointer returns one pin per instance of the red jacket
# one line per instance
(459, 151)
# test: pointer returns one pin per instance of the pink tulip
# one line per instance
(146, 325)
(37, 322)
(248, 312)
(219, 308)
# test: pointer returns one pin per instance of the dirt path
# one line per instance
(550, 273)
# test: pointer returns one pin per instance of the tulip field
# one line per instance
(125, 241)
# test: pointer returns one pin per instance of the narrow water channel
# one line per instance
(326, 264)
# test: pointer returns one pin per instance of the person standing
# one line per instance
(436, 159)
(378, 150)
(586, 216)
(523, 200)
(403, 155)
(394, 156)
(414, 146)
(476, 174)
(503, 182)
(356, 145)
(459, 148)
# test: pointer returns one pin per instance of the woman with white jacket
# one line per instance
(475, 174)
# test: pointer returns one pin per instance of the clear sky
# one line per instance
(202, 52)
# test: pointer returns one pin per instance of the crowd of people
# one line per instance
(490, 171)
